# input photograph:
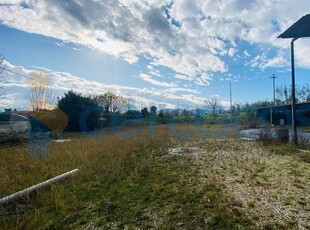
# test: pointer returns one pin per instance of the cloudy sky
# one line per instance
(166, 52)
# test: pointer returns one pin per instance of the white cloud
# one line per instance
(41, 68)
(246, 53)
(183, 77)
(60, 44)
(231, 52)
(262, 62)
(11, 2)
(148, 78)
(277, 61)
(126, 29)
(189, 37)
(174, 90)
(302, 52)
(18, 86)
(203, 80)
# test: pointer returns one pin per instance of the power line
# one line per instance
(249, 81)
(262, 78)
(22, 75)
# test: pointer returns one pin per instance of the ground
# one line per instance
(271, 190)
(163, 181)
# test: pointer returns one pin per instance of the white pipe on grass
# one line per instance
(37, 186)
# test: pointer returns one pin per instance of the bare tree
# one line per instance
(41, 98)
(111, 102)
(40, 95)
(284, 93)
(213, 106)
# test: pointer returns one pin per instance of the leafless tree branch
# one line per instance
(41, 98)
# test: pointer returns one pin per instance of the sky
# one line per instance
(168, 53)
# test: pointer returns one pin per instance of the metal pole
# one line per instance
(294, 125)
(274, 99)
(37, 186)
(231, 116)
(270, 111)
(274, 89)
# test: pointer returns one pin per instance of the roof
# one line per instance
(22, 113)
(299, 29)
(12, 117)
(286, 105)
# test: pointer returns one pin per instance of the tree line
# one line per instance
(107, 110)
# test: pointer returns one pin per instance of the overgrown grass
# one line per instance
(122, 183)
(12, 138)
(140, 183)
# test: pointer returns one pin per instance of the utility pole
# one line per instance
(274, 89)
(231, 115)
(274, 97)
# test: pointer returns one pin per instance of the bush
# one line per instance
(265, 135)
(13, 138)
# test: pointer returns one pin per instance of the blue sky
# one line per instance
(152, 52)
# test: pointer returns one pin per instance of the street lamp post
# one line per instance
(300, 29)
(294, 123)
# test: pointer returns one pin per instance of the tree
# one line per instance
(40, 95)
(73, 104)
(133, 114)
(303, 93)
(40, 98)
(261, 104)
(111, 102)
(246, 113)
(284, 94)
(213, 106)
(186, 113)
(145, 112)
(161, 114)
(153, 110)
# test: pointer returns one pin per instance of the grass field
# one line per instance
(162, 181)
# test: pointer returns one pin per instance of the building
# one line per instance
(11, 122)
(284, 112)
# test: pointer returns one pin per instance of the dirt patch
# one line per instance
(185, 150)
(271, 190)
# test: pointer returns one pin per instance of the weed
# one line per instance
(137, 183)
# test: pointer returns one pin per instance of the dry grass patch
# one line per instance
(267, 186)
(158, 181)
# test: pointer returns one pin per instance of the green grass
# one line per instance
(305, 129)
(122, 183)
(139, 183)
